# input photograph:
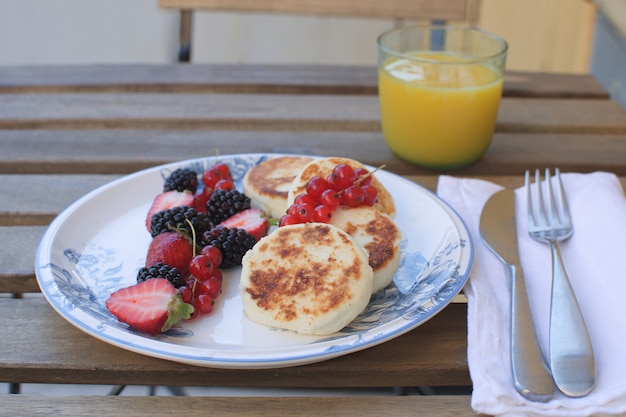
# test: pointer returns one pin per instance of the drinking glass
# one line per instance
(439, 89)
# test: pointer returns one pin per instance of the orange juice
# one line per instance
(438, 114)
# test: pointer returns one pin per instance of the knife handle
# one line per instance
(531, 376)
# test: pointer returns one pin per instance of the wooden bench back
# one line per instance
(458, 11)
(450, 10)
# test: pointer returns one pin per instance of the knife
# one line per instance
(531, 376)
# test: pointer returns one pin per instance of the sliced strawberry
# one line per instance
(152, 306)
(167, 200)
(172, 249)
(253, 220)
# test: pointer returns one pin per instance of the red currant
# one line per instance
(191, 284)
(293, 210)
(323, 214)
(303, 199)
(204, 303)
(219, 171)
(201, 288)
(288, 219)
(226, 185)
(201, 267)
(186, 294)
(371, 195)
(316, 186)
(343, 176)
(201, 198)
(353, 196)
(304, 212)
(214, 254)
(331, 185)
(214, 285)
(363, 176)
(330, 199)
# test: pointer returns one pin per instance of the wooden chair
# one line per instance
(465, 11)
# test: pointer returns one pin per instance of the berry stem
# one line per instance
(193, 237)
(369, 174)
(363, 178)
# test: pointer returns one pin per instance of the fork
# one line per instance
(570, 353)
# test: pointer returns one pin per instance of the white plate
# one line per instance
(97, 245)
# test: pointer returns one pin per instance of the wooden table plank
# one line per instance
(46, 196)
(433, 354)
(256, 78)
(126, 151)
(279, 112)
(17, 258)
(357, 406)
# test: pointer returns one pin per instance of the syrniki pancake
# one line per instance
(378, 235)
(311, 278)
(323, 167)
(268, 183)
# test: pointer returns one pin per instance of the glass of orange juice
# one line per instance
(439, 90)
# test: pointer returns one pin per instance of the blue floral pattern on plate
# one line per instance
(77, 272)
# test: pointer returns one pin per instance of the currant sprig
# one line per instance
(344, 186)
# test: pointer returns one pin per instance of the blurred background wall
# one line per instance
(544, 35)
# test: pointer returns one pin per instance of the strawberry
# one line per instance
(152, 306)
(169, 199)
(252, 220)
(172, 249)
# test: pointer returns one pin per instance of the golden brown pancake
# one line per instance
(268, 183)
(310, 278)
(378, 235)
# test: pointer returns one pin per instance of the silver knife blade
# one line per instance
(531, 376)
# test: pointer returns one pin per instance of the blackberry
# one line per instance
(176, 218)
(182, 179)
(170, 273)
(224, 204)
(232, 242)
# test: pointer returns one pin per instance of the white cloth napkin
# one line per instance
(595, 261)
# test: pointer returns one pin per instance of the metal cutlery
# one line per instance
(571, 358)
(531, 376)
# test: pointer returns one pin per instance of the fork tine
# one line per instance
(530, 212)
(540, 204)
(552, 214)
(564, 213)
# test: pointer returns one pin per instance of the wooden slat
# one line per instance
(274, 112)
(433, 354)
(125, 151)
(258, 78)
(46, 196)
(357, 406)
(18, 258)
(454, 10)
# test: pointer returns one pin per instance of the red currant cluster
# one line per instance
(344, 186)
(218, 177)
(205, 282)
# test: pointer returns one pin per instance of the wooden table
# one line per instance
(67, 130)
